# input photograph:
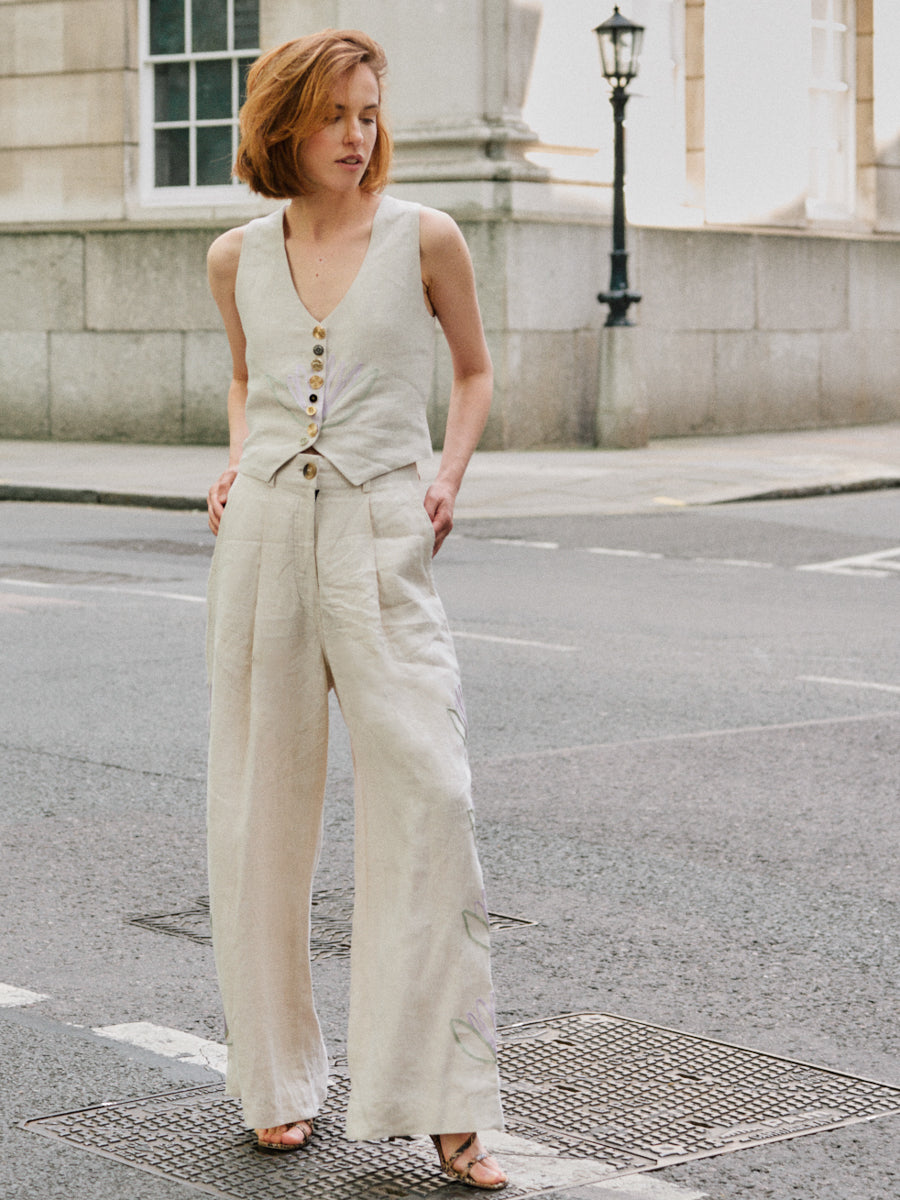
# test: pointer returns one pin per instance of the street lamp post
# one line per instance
(620, 45)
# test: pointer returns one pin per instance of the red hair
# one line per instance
(289, 98)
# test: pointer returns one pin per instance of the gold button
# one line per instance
(315, 366)
(309, 471)
(319, 332)
(316, 381)
(310, 410)
(312, 429)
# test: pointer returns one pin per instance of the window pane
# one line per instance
(209, 25)
(246, 24)
(172, 158)
(214, 89)
(170, 91)
(244, 65)
(214, 154)
(167, 27)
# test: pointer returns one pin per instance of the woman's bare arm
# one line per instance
(450, 285)
(222, 263)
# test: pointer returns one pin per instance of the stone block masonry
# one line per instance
(111, 334)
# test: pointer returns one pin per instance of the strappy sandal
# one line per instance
(463, 1174)
(286, 1147)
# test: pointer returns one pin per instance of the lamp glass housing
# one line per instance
(620, 46)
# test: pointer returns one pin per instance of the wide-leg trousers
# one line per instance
(317, 583)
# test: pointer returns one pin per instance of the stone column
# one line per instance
(885, 25)
(458, 73)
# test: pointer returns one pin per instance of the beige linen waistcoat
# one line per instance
(355, 384)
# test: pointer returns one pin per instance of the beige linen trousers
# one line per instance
(317, 583)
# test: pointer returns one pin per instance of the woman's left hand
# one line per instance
(439, 501)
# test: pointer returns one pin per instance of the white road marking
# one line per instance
(723, 562)
(99, 587)
(172, 1043)
(734, 562)
(623, 553)
(16, 997)
(692, 735)
(647, 1188)
(508, 641)
(523, 542)
(22, 604)
(880, 564)
(854, 683)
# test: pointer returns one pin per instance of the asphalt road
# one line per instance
(683, 732)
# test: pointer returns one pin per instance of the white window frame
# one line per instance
(193, 194)
(832, 161)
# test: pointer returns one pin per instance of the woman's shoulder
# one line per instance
(224, 254)
(438, 233)
(432, 221)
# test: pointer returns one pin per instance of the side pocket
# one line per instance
(411, 613)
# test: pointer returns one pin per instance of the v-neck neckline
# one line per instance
(353, 281)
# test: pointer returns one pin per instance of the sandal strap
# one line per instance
(460, 1150)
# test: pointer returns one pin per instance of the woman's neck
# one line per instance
(322, 215)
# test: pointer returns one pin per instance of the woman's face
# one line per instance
(336, 157)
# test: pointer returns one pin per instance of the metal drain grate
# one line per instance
(332, 919)
(587, 1097)
(197, 1137)
(602, 1086)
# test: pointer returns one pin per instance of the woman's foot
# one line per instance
(279, 1139)
(465, 1159)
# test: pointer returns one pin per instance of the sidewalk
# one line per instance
(668, 473)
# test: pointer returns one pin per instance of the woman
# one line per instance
(322, 579)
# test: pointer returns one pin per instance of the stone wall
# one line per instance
(753, 331)
(112, 335)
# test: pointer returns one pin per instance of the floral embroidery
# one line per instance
(458, 714)
(475, 1034)
(478, 924)
(338, 380)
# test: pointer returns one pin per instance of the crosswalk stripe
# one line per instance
(16, 997)
(172, 1043)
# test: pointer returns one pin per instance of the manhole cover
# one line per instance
(586, 1096)
(332, 920)
(196, 1136)
(596, 1084)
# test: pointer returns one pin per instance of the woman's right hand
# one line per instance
(217, 496)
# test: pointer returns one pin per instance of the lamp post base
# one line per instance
(619, 303)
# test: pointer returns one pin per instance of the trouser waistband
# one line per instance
(305, 472)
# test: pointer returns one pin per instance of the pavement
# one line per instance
(669, 473)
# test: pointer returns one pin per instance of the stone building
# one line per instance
(763, 194)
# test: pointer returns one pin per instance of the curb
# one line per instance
(24, 492)
(814, 489)
(61, 495)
